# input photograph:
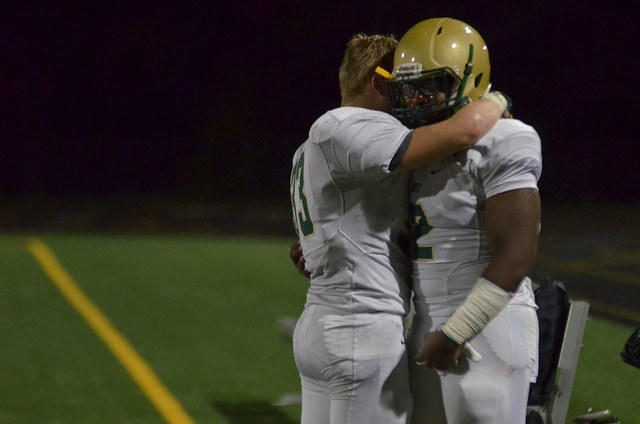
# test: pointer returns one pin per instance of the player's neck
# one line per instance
(367, 101)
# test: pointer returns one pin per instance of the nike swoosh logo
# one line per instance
(435, 171)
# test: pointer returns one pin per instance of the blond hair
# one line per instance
(361, 57)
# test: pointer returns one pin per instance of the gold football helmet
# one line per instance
(439, 65)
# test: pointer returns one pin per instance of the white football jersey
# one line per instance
(447, 197)
(350, 211)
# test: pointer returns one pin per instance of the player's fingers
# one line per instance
(445, 361)
(422, 358)
(300, 264)
(295, 252)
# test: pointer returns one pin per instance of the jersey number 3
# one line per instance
(301, 218)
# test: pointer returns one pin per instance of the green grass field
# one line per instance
(202, 313)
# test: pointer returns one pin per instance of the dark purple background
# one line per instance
(212, 98)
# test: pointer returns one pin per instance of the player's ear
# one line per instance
(378, 83)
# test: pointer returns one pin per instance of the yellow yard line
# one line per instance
(151, 386)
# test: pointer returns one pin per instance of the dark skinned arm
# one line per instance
(512, 220)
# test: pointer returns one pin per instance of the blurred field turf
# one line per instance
(203, 314)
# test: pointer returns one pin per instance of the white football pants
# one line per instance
(492, 391)
(353, 367)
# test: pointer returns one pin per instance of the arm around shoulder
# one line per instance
(457, 133)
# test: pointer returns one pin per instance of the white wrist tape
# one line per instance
(497, 98)
(484, 302)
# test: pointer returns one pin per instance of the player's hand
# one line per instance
(438, 352)
(508, 110)
(298, 259)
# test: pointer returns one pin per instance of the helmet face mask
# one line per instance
(440, 65)
(423, 97)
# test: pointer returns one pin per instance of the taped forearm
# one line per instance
(484, 302)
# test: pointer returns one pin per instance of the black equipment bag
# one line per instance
(631, 350)
(553, 308)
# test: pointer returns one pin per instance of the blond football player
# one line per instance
(349, 199)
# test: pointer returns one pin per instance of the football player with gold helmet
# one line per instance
(476, 216)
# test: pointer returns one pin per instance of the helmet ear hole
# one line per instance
(478, 80)
(439, 31)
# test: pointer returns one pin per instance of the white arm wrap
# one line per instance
(484, 302)
(497, 98)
